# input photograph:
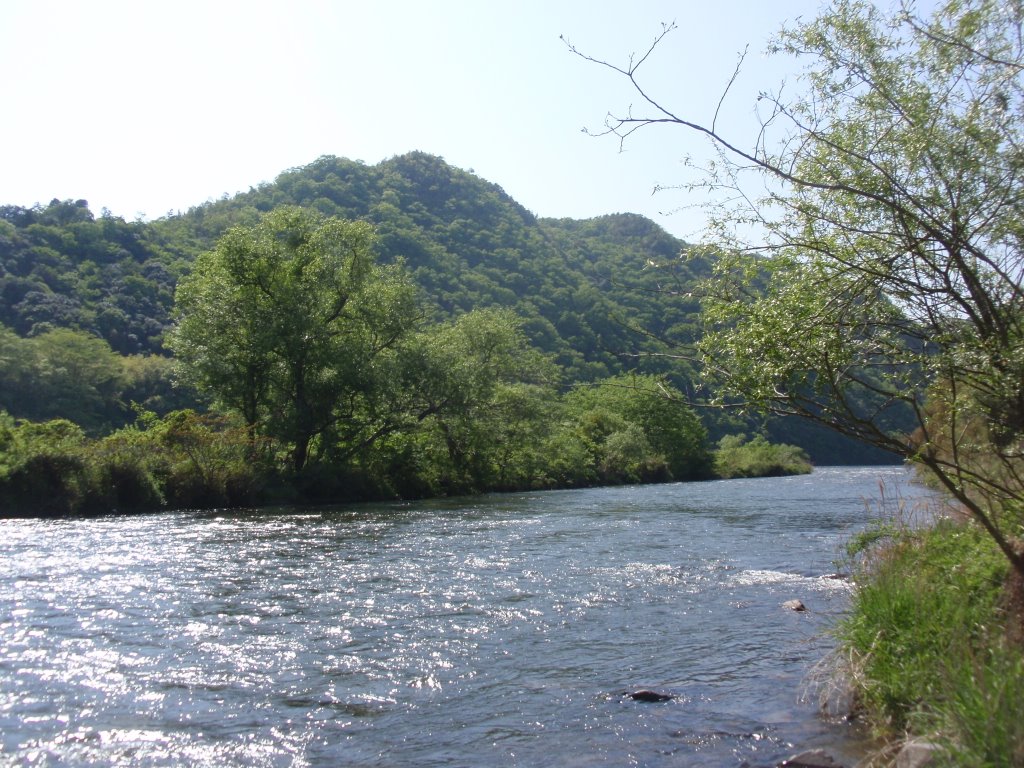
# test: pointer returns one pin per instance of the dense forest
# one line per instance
(596, 296)
(578, 285)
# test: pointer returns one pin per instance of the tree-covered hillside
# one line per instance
(61, 267)
(581, 288)
(578, 285)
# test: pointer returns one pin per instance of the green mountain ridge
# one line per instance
(584, 288)
(469, 245)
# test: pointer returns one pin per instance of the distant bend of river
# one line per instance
(497, 630)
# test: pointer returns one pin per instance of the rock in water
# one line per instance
(648, 696)
(794, 605)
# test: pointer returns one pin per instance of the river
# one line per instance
(494, 630)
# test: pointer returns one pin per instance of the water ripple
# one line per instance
(499, 630)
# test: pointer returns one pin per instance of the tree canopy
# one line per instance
(283, 322)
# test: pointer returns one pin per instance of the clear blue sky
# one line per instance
(145, 107)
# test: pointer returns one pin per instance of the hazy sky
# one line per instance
(148, 106)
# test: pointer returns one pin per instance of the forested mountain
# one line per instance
(469, 245)
(466, 242)
(581, 287)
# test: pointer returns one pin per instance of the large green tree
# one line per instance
(284, 321)
(470, 377)
(68, 374)
(869, 240)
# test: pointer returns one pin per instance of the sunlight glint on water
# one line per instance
(495, 630)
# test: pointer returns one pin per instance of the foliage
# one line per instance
(60, 267)
(739, 457)
(621, 409)
(195, 460)
(925, 650)
(880, 270)
(469, 408)
(979, 721)
(182, 460)
(41, 467)
(462, 403)
(580, 286)
(73, 375)
(482, 413)
(598, 296)
(444, 408)
(284, 322)
(467, 245)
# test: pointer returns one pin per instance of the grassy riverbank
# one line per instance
(926, 644)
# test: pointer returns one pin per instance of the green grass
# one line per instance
(927, 643)
(980, 719)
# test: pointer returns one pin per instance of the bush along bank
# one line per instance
(193, 460)
(928, 648)
(739, 457)
(51, 469)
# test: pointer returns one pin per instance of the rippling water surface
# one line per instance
(498, 630)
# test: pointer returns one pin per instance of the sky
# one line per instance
(148, 107)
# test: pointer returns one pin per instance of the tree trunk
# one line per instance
(300, 453)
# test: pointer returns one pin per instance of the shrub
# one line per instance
(42, 468)
(738, 457)
(627, 457)
(122, 486)
(182, 460)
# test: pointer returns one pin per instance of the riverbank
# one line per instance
(926, 648)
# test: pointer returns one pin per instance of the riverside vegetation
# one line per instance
(187, 459)
(369, 392)
(926, 643)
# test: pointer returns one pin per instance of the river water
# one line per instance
(495, 630)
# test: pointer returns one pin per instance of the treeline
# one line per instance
(327, 382)
(580, 290)
(624, 430)
(520, 436)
